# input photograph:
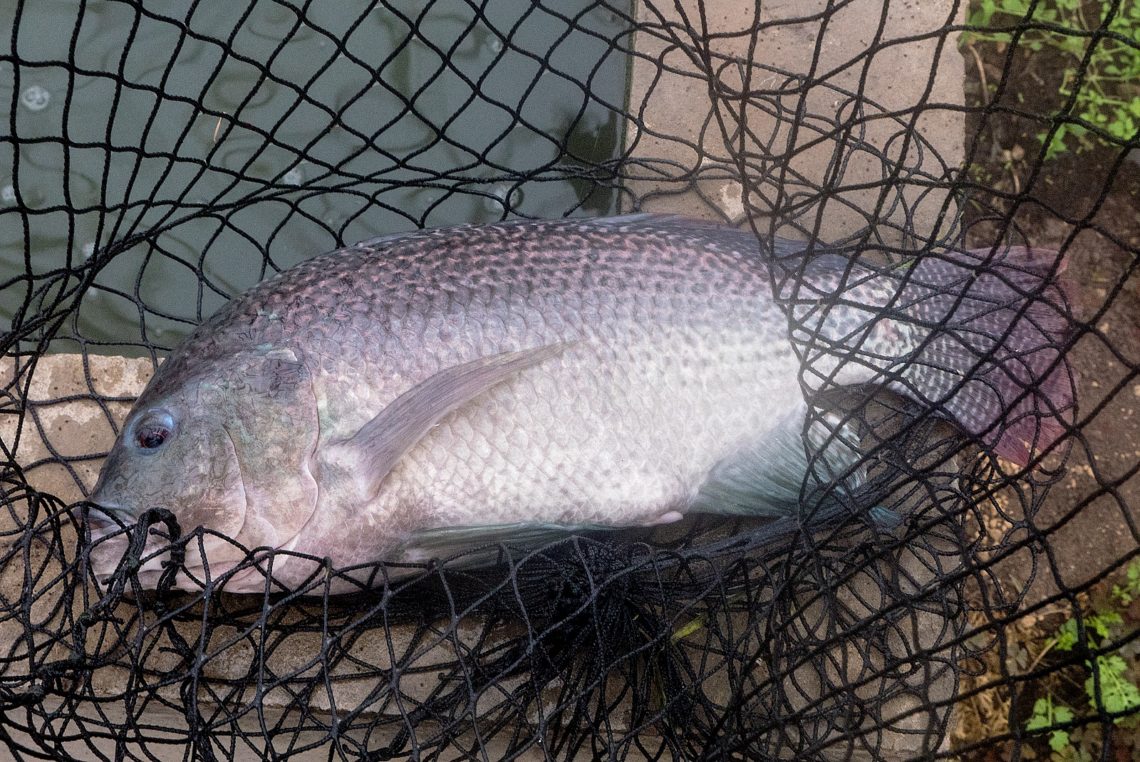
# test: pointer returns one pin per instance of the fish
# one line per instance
(413, 396)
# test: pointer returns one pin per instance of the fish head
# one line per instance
(227, 450)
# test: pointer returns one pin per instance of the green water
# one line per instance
(187, 143)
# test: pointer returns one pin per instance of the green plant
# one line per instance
(1106, 95)
(1116, 692)
(1100, 624)
(1130, 590)
(1110, 685)
(1047, 715)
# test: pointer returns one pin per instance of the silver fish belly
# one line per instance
(672, 358)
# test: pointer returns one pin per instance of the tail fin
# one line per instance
(993, 327)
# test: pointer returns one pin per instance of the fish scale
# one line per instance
(414, 395)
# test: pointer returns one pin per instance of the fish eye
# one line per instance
(153, 430)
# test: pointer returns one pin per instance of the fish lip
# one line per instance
(148, 573)
(192, 578)
(106, 516)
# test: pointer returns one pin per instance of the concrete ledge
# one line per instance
(800, 68)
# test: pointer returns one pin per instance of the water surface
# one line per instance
(178, 156)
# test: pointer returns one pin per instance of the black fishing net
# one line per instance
(157, 159)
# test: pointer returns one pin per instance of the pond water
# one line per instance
(160, 160)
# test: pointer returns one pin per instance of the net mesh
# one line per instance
(159, 159)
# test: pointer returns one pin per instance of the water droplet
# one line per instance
(495, 44)
(35, 98)
(496, 200)
(8, 194)
(294, 176)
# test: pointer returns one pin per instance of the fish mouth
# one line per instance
(209, 561)
(194, 575)
(107, 555)
(109, 529)
(106, 518)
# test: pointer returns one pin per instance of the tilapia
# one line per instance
(418, 394)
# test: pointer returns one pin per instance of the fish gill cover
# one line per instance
(844, 453)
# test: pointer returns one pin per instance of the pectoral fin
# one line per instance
(371, 453)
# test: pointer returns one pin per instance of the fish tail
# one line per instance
(992, 329)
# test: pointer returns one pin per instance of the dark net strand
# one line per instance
(159, 159)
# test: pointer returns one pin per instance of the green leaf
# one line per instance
(1074, 45)
(688, 629)
(1122, 126)
(1066, 636)
(983, 15)
(1130, 590)
(1117, 693)
(1047, 715)
(1102, 622)
(1039, 720)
